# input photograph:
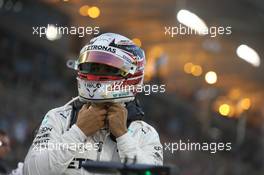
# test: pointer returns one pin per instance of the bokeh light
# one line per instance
(192, 21)
(245, 103)
(52, 33)
(196, 70)
(84, 10)
(248, 54)
(137, 41)
(224, 109)
(211, 77)
(94, 12)
(188, 68)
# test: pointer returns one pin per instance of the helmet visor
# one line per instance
(99, 69)
(107, 59)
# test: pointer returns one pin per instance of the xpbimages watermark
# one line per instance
(147, 89)
(212, 31)
(57, 31)
(212, 147)
(80, 147)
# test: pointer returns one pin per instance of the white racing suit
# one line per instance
(61, 148)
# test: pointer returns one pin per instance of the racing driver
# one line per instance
(104, 123)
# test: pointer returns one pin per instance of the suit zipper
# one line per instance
(99, 150)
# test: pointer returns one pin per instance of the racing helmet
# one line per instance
(110, 68)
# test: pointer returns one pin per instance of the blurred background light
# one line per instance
(224, 109)
(94, 12)
(52, 33)
(137, 41)
(245, 103)
(192, 21)
(84, 10)
(196, 70)
(211, 77)
(188, 68)
(248, 54)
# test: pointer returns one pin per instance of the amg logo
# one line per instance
(99, 47)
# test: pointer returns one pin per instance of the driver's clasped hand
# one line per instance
(93, 117)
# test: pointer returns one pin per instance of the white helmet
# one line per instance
(110, 69)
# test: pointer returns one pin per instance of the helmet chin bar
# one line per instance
(96, 92)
